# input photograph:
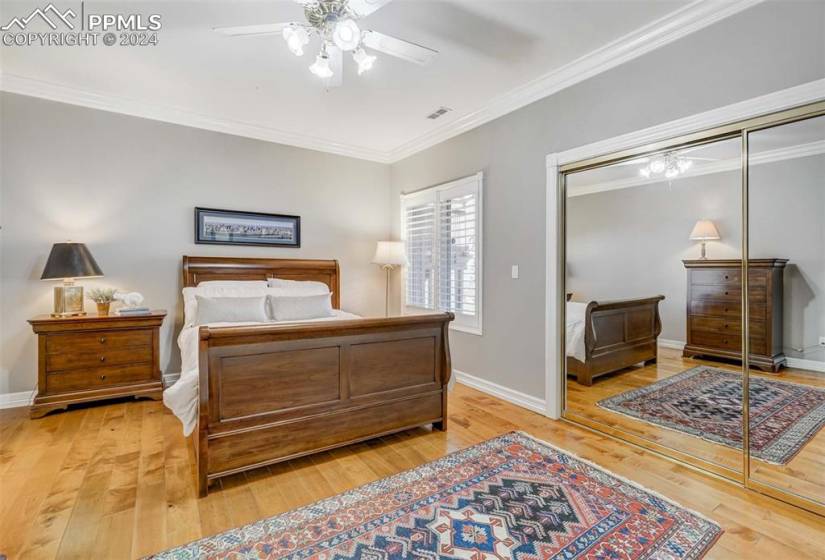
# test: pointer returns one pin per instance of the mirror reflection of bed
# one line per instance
(651, 353)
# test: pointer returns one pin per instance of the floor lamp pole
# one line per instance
(388, 268)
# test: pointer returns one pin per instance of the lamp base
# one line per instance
(68, 301)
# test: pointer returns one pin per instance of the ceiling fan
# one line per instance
(334, 22)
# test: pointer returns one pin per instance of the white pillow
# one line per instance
(231, 310)
(190, 304)
(299, 287)
(300, 308)
(232, 284)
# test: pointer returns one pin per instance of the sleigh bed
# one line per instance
(604, 337)
(272, 392)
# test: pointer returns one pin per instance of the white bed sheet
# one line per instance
(574, 344)
(182, 397)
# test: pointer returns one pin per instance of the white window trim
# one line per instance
(477, 181)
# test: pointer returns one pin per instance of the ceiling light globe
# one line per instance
(296, 38)
(657, 165)
(645, 172)
(365, 61)
(321, 67)
(671, 172)
(347, 35)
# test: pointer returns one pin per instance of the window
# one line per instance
(442, 234)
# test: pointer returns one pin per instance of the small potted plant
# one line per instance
(103, 297)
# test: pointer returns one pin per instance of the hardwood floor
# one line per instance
(116, 481)
(804, 474)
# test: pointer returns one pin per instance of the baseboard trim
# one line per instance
(16, 400)
(812, 365)
(517, 398)
(667, 343)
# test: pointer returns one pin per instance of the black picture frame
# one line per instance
(205, 232)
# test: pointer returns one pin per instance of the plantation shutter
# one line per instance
(442, 226)
(419, 230)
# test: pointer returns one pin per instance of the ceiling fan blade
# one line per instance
(399, 48)
(364, 8)
(336, 64)
(262, 29)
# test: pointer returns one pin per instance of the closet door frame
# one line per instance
(559, 169)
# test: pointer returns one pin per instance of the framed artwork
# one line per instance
(230, 227)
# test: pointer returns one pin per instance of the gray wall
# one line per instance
(787, 217)
(127, 187)
(769, 47)
(631, 242)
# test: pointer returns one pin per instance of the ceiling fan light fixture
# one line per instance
(321, 67)
(365, 61)
(684, 164)
(658, 165)
(347, 35)
(296, 38)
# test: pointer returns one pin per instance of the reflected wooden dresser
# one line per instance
(714, 310)
(89, 358)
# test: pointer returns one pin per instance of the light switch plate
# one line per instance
(822, 340)
(514, 272)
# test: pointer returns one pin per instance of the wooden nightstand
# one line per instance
(90, 358)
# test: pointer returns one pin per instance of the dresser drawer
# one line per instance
(89, 342)
(713, 308)
(731, 342)
(719, 325)
(106, 356)
(726, 325)
(716, 276)
(720, 293)
(98, 377)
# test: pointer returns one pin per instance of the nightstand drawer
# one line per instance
(98, 377)
(105, 356)
(89, 342)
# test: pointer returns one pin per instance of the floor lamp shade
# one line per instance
(389, 254)
(66, 262)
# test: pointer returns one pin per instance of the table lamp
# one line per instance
(704, 231)
(389, 254)
(66, 262)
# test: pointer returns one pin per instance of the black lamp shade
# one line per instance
(70, 260)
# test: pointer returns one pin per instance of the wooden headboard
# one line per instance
(201, 269)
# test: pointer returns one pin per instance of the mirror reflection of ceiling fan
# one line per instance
(670, 164)
(334, 22)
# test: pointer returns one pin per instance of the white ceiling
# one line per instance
(254, 86)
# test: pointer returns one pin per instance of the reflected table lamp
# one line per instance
(66, 262)
(704, 231)
(389, 254)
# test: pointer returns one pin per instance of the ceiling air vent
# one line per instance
(441, 111)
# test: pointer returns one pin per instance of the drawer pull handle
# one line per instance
(103, 358)
(103, 340)
(102, 377)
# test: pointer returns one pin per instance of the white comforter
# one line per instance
(182, 397)
(575, 330)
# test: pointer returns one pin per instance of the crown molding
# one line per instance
(680, 23)
(104, 102)
(719, 166)
(774, 102)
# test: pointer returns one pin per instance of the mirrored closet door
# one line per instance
(786, 249)
(654, 297)
(694, 300)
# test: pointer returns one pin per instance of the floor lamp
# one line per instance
(389, 254)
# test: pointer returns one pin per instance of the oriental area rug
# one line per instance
(508, 497)
(707, 402)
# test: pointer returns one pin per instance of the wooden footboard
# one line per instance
(618, 334)
(274, 392)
